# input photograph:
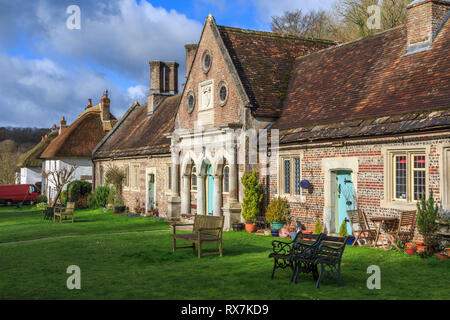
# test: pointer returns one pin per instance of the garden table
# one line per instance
(384, 224)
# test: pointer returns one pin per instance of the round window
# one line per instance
(206, 61)
(190, 103)
(223, 93)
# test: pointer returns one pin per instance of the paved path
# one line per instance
(81, 235)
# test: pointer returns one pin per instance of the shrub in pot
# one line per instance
(277, 212)
(318, 227)
(427, 213)
(252, 200)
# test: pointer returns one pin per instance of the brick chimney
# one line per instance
(171, 74)
(62, 125)
(190, 53)
(425, 19)
(89, 104)
(105, 106)
(163, 83)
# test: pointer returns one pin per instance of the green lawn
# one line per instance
(142, 266)
(27, 223)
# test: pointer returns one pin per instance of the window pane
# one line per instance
(194, 181)
(297, 176)
(287, 176)
(169, 178)
(400, 177)
(226, 179)
(419, 177)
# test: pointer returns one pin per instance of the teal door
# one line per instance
(210, 188)
(344, 201)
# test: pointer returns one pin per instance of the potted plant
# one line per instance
(427, 213)
(277, 213)
(252, 199)
(318, 227)
(343, 233)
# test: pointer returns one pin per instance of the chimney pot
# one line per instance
(190, 53)
(105, 106)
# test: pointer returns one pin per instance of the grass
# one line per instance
(142, 266)
(28, 223)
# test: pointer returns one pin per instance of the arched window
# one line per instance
(226, 179)
(194, 178)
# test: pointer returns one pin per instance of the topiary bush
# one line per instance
(101, 194)
(277, 210)
(318, 227)
(343, 229)
(78, 189)
(252, 197)
(427, 213)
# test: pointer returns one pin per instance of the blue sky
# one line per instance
(49, 71)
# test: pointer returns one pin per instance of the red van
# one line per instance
(13, 193)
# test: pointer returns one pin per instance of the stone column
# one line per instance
(232, 209)
(186, 194)
(201, 194)
(217, 211)
(174, 207)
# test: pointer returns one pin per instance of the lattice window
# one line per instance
(194, 179)
(226, 179)
(297, 170)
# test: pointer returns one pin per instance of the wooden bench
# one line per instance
(64, 212)
(206, 229)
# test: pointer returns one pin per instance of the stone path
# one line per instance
(81, 235)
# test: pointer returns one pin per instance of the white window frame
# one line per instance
(196, 180)
(390, 201)
(445, 176)
(281, 192)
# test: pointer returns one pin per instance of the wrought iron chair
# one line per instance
(304, 255)
(329, 256)
(284, 252)
(357, 217)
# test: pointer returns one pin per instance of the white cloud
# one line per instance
(38, 92)
(137, 93)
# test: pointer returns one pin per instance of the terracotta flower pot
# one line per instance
(411, 251)
(410, 245)
(447, 251)
(421, 248)
(441, 256)
(250, 227)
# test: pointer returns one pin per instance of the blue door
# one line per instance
(344, 201)
(210, 188)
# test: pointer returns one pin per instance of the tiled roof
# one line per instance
(264, 61)
(368, 79)
(136, 134)
(80, 138)
(386, 125)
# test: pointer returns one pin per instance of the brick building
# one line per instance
(365, 124)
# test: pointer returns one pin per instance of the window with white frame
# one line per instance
(445, 178)
(194, 179)
(169, 177)
(226, 179)
(126, 176)
(409, 174)
(290, 175)
(134, 176)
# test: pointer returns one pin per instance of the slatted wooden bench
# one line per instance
(206, 229)
(68, 211)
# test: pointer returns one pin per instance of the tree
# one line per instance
(314, 24)
(8, 161)
(59, 178)
(252, 196)
(115, 176)
(351, 17)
